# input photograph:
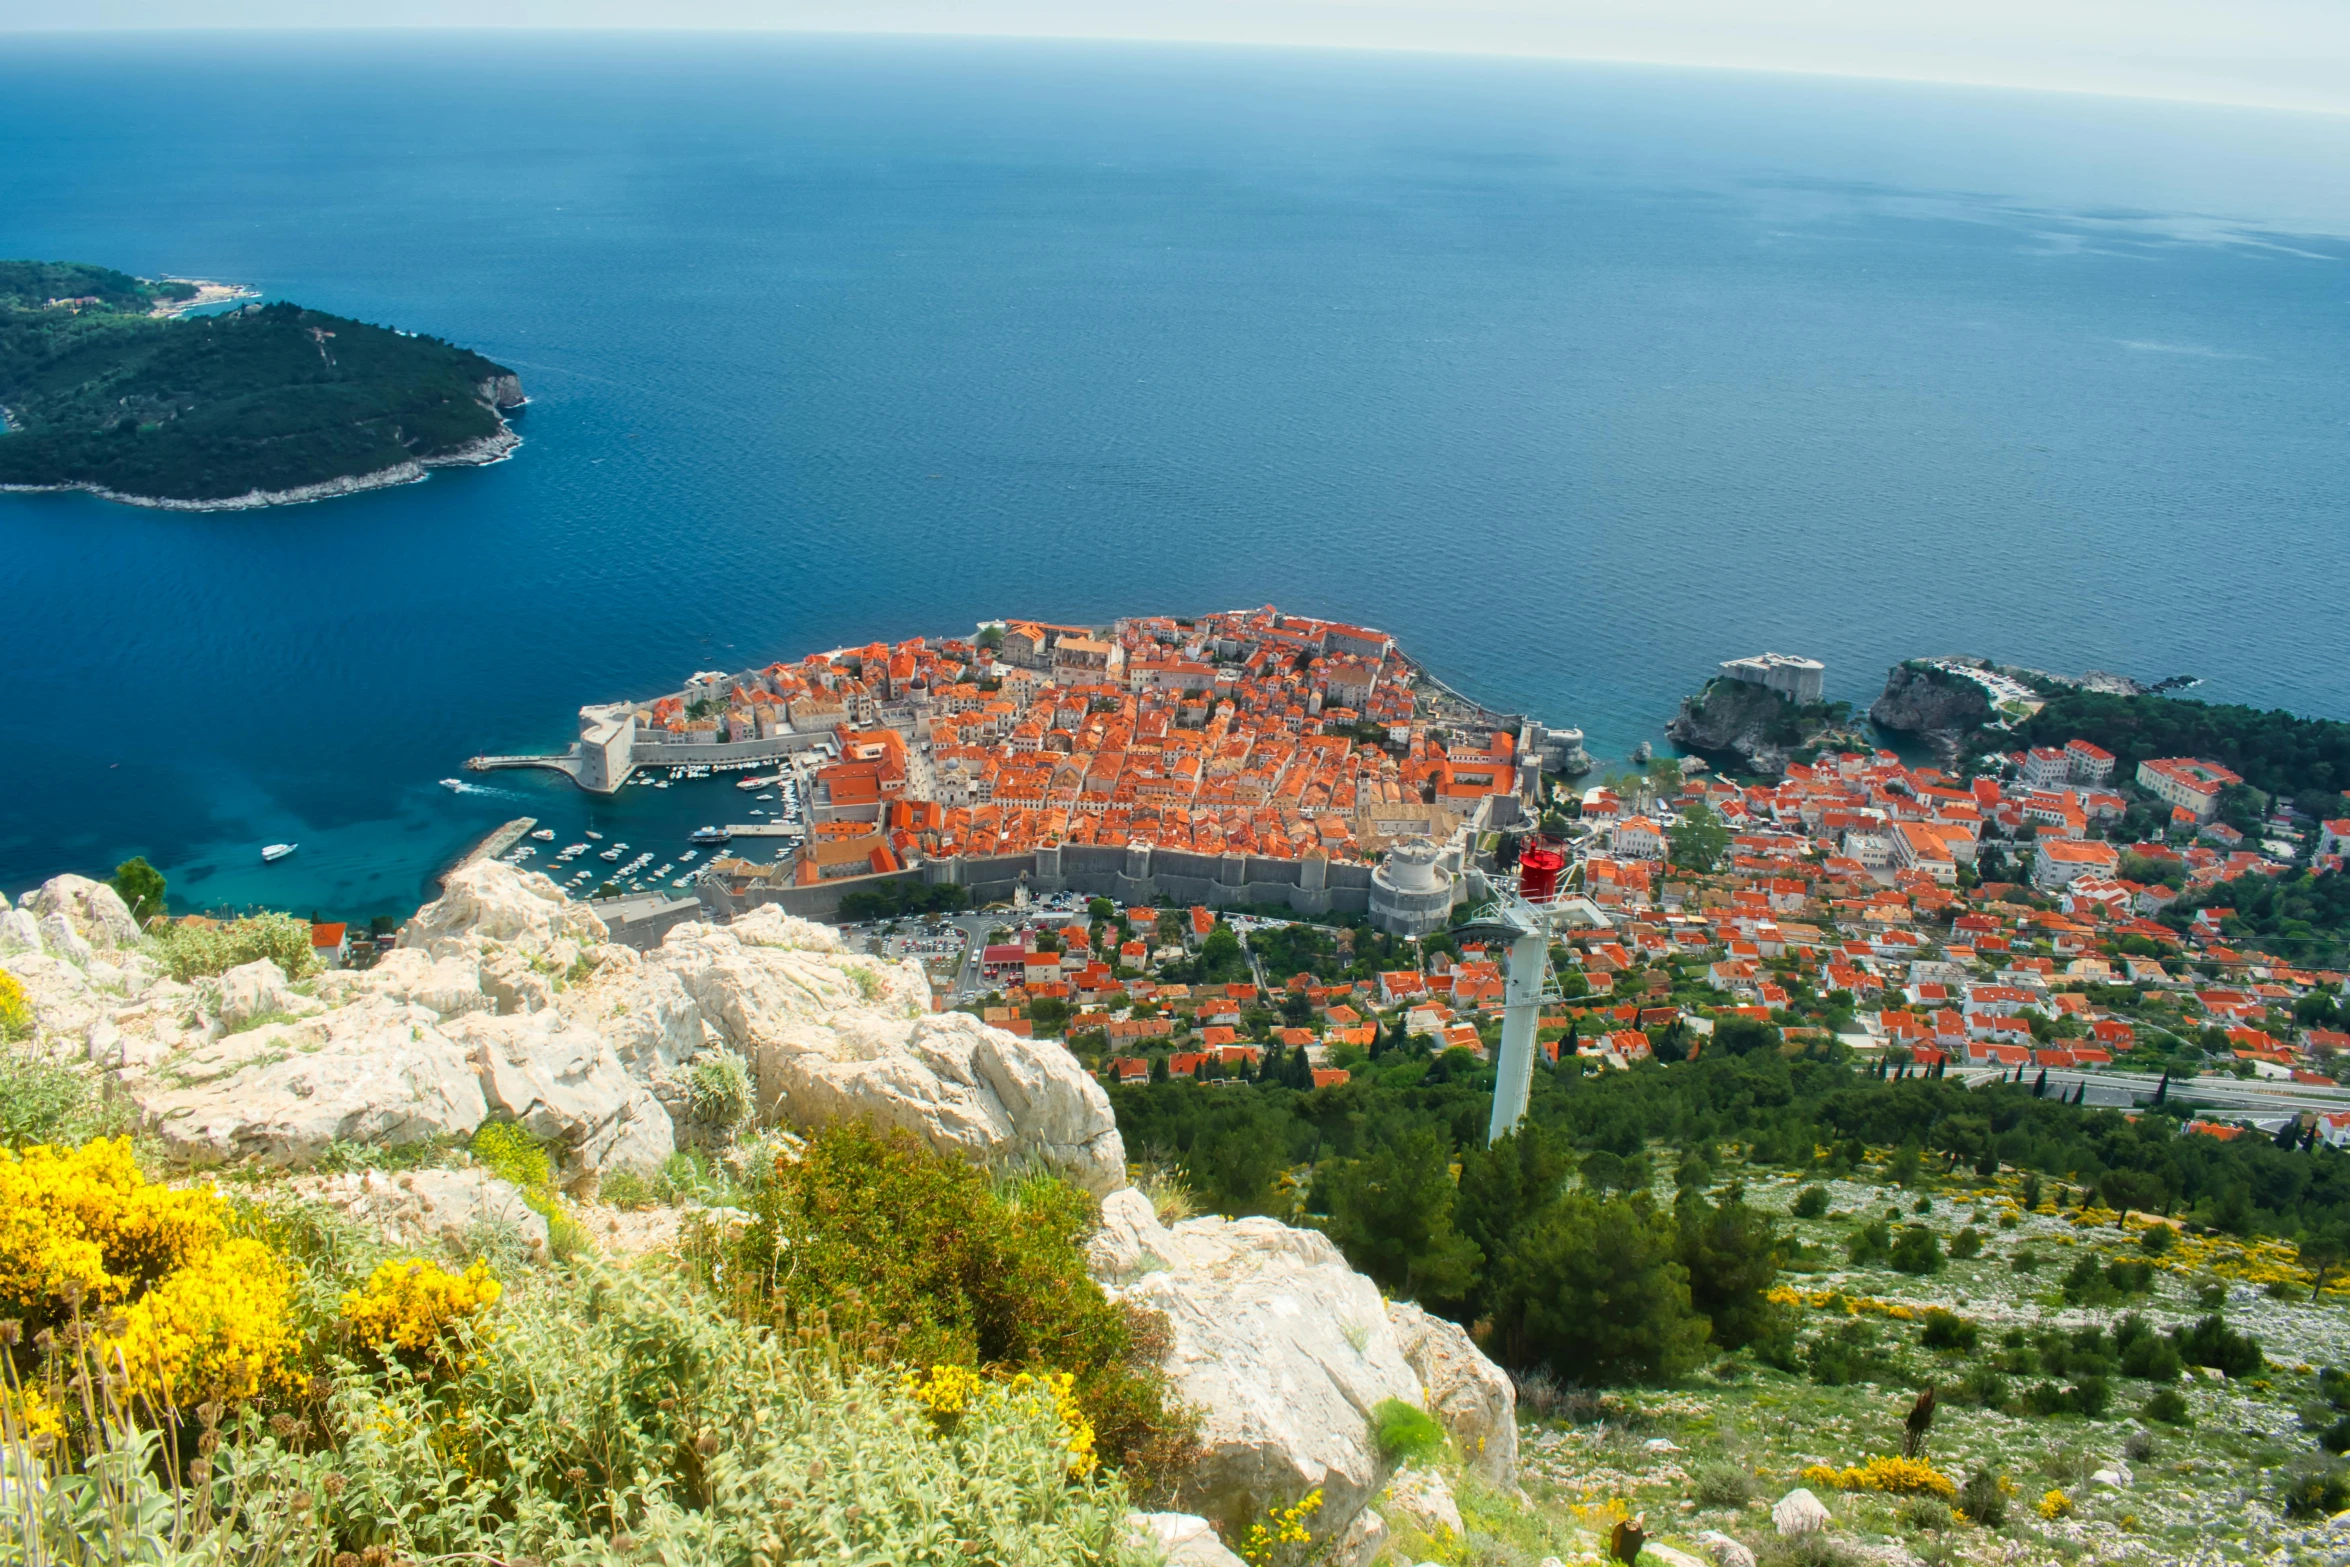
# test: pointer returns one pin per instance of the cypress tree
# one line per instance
(2039, 1084)
(2162, 1089)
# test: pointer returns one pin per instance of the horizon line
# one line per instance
(1159, 40)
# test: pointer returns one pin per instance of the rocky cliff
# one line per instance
(1932, 704)
(1757, 726)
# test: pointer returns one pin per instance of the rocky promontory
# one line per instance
(1932, 703)
(1757, 726)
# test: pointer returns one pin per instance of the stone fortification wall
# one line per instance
(1129, 875)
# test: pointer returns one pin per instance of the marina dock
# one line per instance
(495, 844)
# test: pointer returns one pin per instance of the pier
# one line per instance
(495, 844)
(564, 762)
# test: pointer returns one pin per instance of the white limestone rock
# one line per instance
(19, 931)
(425, 1207)
(1421, 1498)
(1725, 1551)
(831, 1036)
(447, 986)
(1360, 1542)
(563, 1084)
(645, 1014)
(60, 938)
(373, 1072)
(1282, 1348)
(1473, 1398)
(253, 990)
(2116, 1474)
(65, 1005)
(492, 902)
(90, 909)
(1799, 1512)
(1185, 1539)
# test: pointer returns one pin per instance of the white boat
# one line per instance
(760, 783)
(457, 784)
(599, 837)
(689, 854)
(663, 784)
(609, 854)
(545, 835)
(277, 851)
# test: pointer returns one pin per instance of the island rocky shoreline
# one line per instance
(473, 454)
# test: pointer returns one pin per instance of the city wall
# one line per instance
(1128, 875)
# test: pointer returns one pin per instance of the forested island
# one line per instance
(104, 388)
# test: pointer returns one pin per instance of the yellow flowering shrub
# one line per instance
(219, 1328)
(16, 1010)
(1280, 1531)
(1837, 1300)
(2055, 1505)
(84, 1222)
(1899, 1476)
(949, 1390)
(410, 1305)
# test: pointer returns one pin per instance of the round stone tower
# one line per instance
(1411, 890)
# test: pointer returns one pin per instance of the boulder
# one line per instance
(644, 1014)
(90, 909)
(830, 1036)
(2116, 1474)
(1183, 1538)
(374, 1072)
(252, 990)
(1282, 1348)
(1725, 1551)
(1799, 1512)
(490, 901)
(562, 1083)
(422, 1208)
(59, 937)
(1473, 1397)
(1421, 1498)
(19, 931)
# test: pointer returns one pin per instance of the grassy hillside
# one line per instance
(101, 392)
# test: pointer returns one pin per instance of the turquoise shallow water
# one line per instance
(1578, 379)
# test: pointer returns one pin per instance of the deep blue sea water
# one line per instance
(1577, 378)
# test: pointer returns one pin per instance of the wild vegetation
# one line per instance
(100, 392)
(2285, 757)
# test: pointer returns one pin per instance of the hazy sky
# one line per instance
(2272, 53)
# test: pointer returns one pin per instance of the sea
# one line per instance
(1577, 378)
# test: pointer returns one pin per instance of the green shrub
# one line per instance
(625, 1189)
(914, 1257)
(620, 1414)
(2335, 1438)
(1872, 1242)
(197, 951)
(2314, 1490)
(718, 1091)
(1405, 1434)
(2144, 1353)
(1983, 1386)
(45, 1100)
(1983, 1499)
(510, 1153)
(1851, 1353)
(2211, 1342)
(1720, 1483)
(1947, 1330)
(2157, 1240)
(1918, 1250)
(1966, 1244)
(2168, 1406)
(1811, 1202)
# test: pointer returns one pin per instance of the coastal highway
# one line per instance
(2265, 1103)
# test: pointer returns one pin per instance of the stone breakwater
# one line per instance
(504, 999)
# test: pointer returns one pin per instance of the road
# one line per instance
(2266, 1103)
